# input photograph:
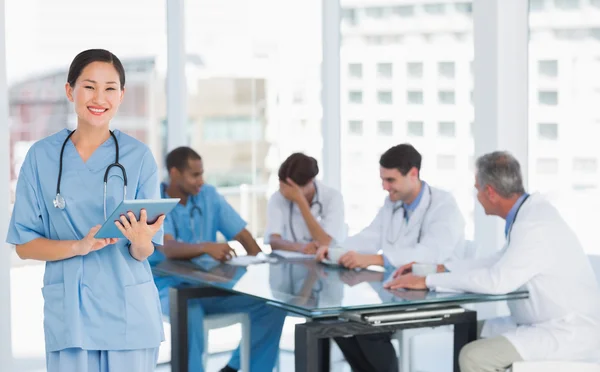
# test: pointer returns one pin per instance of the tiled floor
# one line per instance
(28, 340)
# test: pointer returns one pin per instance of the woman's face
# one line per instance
(97, 94)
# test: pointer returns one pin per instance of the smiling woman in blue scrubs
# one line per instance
(101, 307)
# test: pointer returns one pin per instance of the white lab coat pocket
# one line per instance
(54, 315)
(144, 316)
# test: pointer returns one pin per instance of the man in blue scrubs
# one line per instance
(190, 232)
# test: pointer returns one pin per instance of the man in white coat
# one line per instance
(416, 223)
(561, 318)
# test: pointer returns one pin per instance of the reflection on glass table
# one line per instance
(314, 290)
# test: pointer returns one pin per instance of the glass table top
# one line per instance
(312, 289)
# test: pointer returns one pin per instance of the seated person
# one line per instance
(305, 213)
(416, 223)
(190, 232)
(561, 318)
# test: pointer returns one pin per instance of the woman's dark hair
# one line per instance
(179, 158)
(403, 157)
(94, 55)
(299, 168)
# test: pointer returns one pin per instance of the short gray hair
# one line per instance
(502, 171)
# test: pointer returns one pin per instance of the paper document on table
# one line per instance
(248, 260)
(294, 255)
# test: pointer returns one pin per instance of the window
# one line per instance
(355, 97)
(571, 34)
(384, 70)
(548, 98)
(355, 70)
(375, 12)
(374, 40)
(446, 97)
(435, 9)
(447, 129)
(355, 127)
(384, 97)
(585, 165)
(233, 129)
(385, 128)
(446, 70)
(547, 166)
(404, 10)
(414, 129)
(349, 15)
(536, 5)
(446, 162)
(298, 96)
(414, 97)
(413, 86)
(584, 187)
(567, 4)
(548, 131)
(548, 68)
(414, 70)
(464, 8)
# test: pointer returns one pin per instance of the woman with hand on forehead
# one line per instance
(304, 213)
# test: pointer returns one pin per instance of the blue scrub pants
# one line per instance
(266, 323)
(79, 360)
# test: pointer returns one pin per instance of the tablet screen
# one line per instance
(154, 209)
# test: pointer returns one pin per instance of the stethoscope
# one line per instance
(392, 240)
(195, 209)
(317, 202)
(514, 219)
(60, 203)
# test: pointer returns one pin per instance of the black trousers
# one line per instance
(369, 353)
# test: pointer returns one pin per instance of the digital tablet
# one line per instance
(154, 209)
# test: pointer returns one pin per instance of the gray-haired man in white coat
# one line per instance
(561, 318)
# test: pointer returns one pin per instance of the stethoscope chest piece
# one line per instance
(59, 202)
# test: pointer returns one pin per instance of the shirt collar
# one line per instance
(190, 200)
(510, 218)
(415, 203)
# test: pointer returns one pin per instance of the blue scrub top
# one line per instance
(105, 300)
(216, 216)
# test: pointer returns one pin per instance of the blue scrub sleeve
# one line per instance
(168, 225)
(149, 187)
(26, 222)
(230, 223)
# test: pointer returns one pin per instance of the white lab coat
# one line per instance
(561, 318)
(437, 219)
(331, 218)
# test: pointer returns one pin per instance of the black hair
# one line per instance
(402, 157)
(179, 157)
(300, 168)
(94, 55)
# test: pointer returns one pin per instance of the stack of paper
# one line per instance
(293, 255)
(250, 260)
